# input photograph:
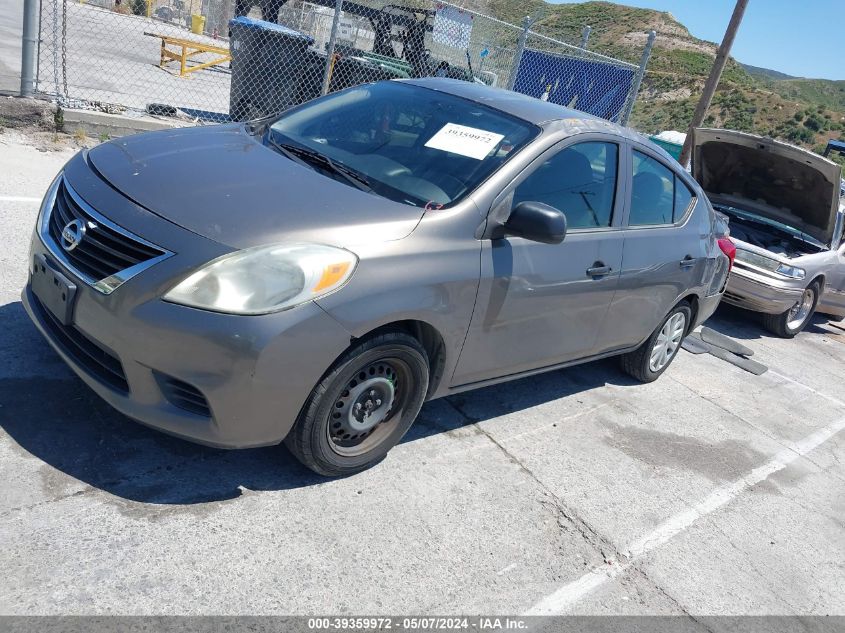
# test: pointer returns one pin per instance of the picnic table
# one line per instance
(186, 49)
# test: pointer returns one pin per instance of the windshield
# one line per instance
(409, 144)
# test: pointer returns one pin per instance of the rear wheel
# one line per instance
(651, 359)
(791, 322)
(362, 407)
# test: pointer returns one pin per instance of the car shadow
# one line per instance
(52, 415)
(737, 323)
(744, 324)
(824, 325)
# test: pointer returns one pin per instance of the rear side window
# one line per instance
(580, 180)
(652, 192)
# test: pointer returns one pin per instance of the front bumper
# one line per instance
(753, 291)
(222, 380)
(254, 378)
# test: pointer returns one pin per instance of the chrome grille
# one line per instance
(106, 255)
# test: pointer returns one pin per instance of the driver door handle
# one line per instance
(599, 270)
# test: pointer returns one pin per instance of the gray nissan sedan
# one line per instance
(315, 277)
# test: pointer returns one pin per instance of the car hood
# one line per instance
(772, 179)
(224, 184)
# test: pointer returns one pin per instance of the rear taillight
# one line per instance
(728, 249)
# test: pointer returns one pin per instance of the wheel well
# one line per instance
(692, 300)
(432, 342)
(819, 279)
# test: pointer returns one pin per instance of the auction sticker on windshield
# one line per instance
(463, 140)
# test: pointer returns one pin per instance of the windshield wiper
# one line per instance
(315, 158)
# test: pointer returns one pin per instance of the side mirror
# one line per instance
(537, 222)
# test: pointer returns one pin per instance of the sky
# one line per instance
(797, 37)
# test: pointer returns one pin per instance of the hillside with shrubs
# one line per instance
(806, 112)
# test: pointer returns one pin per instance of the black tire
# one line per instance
(637, 363)
(779, 323)
(394, 357)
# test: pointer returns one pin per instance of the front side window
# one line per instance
(406, 143)
(580, 180)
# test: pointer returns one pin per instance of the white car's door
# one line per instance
(833, 299)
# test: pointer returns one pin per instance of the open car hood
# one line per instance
(772, 179)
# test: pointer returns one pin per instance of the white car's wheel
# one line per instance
(791, 322)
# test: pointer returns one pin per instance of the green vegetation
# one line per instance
(830, 94)
(765, 73)
(808, 112)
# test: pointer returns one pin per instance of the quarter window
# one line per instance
(658, 196)
(683, 196)
(580, 180)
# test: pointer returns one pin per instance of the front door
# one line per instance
(833, 298)
(543, 304)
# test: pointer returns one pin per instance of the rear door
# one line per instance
(544, 304)
(665, 251)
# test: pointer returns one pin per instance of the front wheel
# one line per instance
(791, 322)
(362, 407)
(651, 359)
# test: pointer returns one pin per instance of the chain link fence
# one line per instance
(219, 60)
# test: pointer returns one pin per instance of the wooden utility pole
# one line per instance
(713, 80)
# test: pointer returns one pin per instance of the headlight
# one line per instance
(769, 264)
(791, 271)
(266, 278)
(760, 261)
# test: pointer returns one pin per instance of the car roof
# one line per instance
(514, 103)
(543, 113)
(522, 106)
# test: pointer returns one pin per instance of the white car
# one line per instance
(783, 205)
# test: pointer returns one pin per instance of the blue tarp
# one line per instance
(595, 87)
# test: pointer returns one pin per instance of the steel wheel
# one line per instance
(369, 407)
(363, 405)
(668, 341)
(800, 312)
